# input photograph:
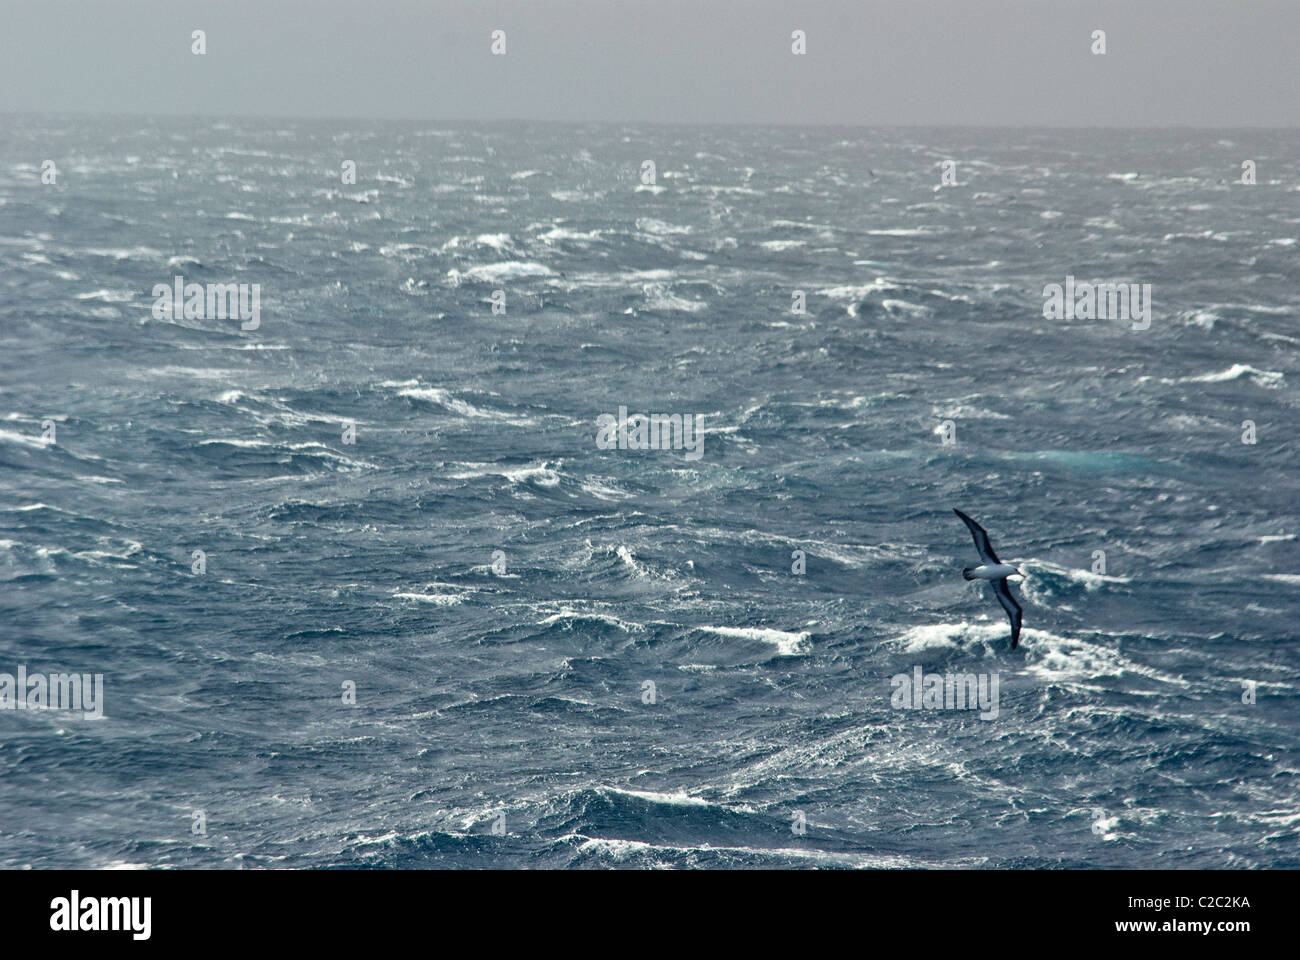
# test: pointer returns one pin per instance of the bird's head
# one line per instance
(1020, 572)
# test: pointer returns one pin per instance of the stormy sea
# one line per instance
(365, 554)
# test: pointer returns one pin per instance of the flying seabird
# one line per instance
(996, 572)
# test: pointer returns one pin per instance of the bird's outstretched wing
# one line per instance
(1011, 607)
(981, 538)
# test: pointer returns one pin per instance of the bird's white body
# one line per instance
(996, 571)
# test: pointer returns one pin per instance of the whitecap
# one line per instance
(538, 473)
(108, 296)
(445, 398)
(787, 644)
(495, 272)
(660, 228)
(438, 599)
(36, 443)
(569, 615)
(1288, 578)
(1263, 378)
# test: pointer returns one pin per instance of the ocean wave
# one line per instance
(539, 473)
(787, 644)
(575, 616)
(437, 599)
(1270, 379)
(498, 272)
(449, 401)
(668, 856)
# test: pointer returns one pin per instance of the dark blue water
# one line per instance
(516, 697)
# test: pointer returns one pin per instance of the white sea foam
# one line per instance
(404, 251)
(1270, 379)
(438, 599)
(858, 291)
(497, 241)
(660, 228)
(621, 850)
(537, 472)
(905, 232)
(35, 442)
(604, 491)
(948, 636)
(1090, 580)
(496, 272)
(658, 297)
(679, 799)
(124, 253)
(108, 296)
(1292, 579)
(564, 233)
(787, 644)
(626, 626)
(236, 442)
(958, 410)
(445, 398)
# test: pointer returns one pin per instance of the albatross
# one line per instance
(995, 572)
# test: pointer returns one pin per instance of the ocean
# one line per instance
(369, 580)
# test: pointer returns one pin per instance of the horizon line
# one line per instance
(327, 118)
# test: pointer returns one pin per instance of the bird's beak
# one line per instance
(1021, 571)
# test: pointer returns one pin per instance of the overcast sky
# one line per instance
(869, 62)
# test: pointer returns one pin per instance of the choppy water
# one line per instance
(1121, 738)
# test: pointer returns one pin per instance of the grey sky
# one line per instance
(970, 62)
